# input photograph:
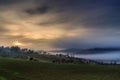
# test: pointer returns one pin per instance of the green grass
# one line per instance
(15, 69)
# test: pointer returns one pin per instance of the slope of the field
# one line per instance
(12, 69)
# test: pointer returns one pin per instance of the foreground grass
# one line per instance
(11, 69)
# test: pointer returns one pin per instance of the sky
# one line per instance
(58, 24)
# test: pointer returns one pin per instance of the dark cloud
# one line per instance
(68, 42)
(38, 10)
(90, 14)
(105, 18)
(56, 21)
(3, 30)
(8, 2)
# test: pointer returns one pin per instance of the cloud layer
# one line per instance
(47, 24)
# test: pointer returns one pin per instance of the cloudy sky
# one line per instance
(56, 24)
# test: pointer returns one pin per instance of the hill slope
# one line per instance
(12, 69)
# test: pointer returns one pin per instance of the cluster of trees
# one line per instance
(15, 51)
(71, 59)
(63, 59)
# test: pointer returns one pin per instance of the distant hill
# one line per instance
(87, 51)
(68, 50)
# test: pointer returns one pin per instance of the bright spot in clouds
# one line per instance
(17, 43)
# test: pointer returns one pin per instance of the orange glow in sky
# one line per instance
(17, 43)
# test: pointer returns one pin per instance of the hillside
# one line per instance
(16, 69)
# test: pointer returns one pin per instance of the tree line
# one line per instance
(15, 51)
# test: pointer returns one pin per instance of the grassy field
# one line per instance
(12, 69)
